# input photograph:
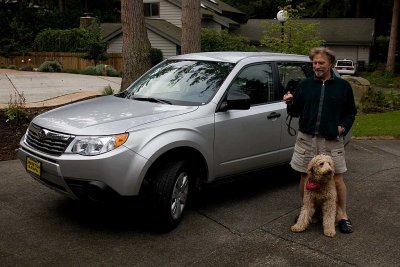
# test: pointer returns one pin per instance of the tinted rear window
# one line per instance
(345, 63)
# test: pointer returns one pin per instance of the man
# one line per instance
(326, 107)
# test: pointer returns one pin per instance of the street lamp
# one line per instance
(282, 16)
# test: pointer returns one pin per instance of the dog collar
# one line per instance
(310, 185)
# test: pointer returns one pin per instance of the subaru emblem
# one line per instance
(42, 134)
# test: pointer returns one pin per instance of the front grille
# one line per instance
(47, 141)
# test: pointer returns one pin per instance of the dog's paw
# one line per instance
(297, 228)
(330, 232)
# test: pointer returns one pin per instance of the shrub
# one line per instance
(377, 100)
(112, 72)
(55, 40)
(26, 68)
(15, 111)
(12, 67)
(73, 71)
(383, 78)
(213, 40)
(95, 48)
(108, 90)
(50, 66)
(393, 99)
(156, 56)
(90, 70)
(101, 70)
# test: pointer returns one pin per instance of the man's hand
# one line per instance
(341, 130)
(288, 97)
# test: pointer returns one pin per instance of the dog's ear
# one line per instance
(310, 167)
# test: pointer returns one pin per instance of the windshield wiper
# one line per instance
(152, 99)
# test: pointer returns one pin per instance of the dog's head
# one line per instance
(321, 168)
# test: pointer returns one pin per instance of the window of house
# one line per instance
(255, 81)
(152, 9)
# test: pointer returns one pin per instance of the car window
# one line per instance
(291, 73)
(344, 63)
(181, 82)
(257, 82)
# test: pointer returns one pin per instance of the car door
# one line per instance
(290, 74)
(249, 139)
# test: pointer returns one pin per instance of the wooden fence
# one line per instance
(68, 60)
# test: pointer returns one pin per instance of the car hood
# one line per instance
(106, 115)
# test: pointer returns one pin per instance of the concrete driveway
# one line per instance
(50, 89)
(242, 223)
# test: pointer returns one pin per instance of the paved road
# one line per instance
(48, 89)
(245, 223)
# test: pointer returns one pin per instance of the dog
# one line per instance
(319, 193)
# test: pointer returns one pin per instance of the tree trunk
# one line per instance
(61, 6)
(136, 45)
(391, 59)
(358, 8)
(191, 26)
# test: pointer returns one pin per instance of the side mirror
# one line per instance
(239, 101)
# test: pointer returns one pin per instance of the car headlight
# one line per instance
(95, 145)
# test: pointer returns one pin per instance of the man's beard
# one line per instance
(319, 73)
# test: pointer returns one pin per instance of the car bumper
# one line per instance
(119, 171)
(347, 72)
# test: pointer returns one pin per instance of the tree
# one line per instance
(391, 58)
(293, 36)
(95, 48)
(191, 26)
(215, 40)
(136, 44)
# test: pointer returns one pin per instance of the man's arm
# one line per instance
(349, 112)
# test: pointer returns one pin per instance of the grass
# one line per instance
(377, 125)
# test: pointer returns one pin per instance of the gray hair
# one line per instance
(324, 51)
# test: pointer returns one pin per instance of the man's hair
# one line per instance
(324, 51)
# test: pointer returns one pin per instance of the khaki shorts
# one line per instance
(307, 146)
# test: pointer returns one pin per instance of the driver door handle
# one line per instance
(273, 115)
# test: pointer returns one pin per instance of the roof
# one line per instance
(159, 26)
(340, 31)
(218, 11)
(220, 6)
(165, 29)
(234, 57)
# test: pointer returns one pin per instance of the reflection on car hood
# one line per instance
(106, 115)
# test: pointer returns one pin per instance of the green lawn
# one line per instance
(381, 124)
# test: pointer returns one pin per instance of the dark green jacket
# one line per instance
(322, 107)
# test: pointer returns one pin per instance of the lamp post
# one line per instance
(282, 16)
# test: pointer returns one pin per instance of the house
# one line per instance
(349, 38)
(163, 22)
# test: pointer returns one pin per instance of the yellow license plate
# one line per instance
(33, 166)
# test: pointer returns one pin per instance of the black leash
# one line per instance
(291, 131)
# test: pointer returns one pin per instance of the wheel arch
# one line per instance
(195, 159)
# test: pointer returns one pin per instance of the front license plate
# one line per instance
(33, 166)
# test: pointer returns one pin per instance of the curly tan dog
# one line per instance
(319, 192)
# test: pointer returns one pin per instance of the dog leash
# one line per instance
(291, 131)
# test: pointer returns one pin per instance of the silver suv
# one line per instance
(190, 120)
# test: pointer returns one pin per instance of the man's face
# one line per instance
(321, 66)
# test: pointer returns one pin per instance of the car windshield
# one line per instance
(345, 63)
(180, 82)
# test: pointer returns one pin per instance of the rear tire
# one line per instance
(169, 191)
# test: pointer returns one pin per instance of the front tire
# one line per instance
(169, 193)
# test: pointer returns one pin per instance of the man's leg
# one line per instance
(342, 196)
(303, 177)
(345, 225)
